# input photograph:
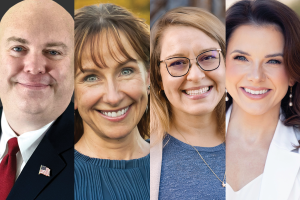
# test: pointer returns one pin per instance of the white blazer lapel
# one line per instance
(282, 166)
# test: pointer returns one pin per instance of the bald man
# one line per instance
(36, 85)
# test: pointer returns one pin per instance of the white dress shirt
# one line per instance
(28, 142)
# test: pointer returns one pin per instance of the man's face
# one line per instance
(36, 63)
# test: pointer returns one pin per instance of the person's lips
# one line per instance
(34, 86)
(255, 93)
(197, 92)
(115, 115)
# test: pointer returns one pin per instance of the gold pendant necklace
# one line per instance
(223, 182)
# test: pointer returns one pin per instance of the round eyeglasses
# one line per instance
(180, 66)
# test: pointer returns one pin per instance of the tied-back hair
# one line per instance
(160, 112)
(96, 26)
(271, 12)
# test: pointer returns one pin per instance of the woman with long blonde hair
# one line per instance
(187, 106)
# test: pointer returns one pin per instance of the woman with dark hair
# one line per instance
(111, 101)
(263, 107)
(187, 106)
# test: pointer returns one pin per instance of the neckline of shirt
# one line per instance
(256, 182)
(116, 164)
(27, 142)
(169, 138)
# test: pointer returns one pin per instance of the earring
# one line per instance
(149, 87)
(291, 103)
(226, 98)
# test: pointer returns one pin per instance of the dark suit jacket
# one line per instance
(56, 151)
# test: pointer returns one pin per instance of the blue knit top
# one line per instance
(111, 179)
(184, 175)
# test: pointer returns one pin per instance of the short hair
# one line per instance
(160, 112)
(272, 12)
(109, 20)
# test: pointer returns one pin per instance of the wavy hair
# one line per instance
(271, 12)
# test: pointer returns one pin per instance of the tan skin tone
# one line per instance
(36, 63)
(109, 89)
(253, 122)
(194, 119)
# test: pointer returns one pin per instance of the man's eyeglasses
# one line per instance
(180, 66)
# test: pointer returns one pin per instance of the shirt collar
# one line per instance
(28, 141)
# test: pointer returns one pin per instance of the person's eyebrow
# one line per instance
(17, 39)
(93, 70)
(241, 52)
(174, 55)
(126, 62)
(57, 44)
(274, 55)
(182, 55)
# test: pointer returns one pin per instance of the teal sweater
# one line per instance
(111, 179)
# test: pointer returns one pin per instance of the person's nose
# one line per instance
(195, 73)
(35, 63)
(256, 73)
(113, 95)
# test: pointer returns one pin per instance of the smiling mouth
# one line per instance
(34, 86)
(116, 113)
(256, 92)
(199, 91)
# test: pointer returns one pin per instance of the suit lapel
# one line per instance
(58, 139)
(282, 165)
(30, 183)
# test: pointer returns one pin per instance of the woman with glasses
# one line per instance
(187, 106)
(111, 99)
(263, 111)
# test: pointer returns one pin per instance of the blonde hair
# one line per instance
(160, 112)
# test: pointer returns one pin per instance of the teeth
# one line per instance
(197, 92)
(255, 91)
(116, 113)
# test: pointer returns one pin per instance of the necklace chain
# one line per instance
(223, 182)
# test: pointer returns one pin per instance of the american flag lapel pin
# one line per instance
(44, 170)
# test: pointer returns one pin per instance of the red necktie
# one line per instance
(8, 168)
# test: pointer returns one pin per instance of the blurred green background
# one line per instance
(140, 8)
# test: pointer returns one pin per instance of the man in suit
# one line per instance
(36, 85)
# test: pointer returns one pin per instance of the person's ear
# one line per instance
(161, 85)
(291, 82)
(148, 78)
(75, 104)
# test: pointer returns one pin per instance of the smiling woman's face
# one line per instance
(256, 77)
(198, 92)
(111, 100)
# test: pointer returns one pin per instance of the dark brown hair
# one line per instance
(109, 20)
(161, 113)
(271, 12)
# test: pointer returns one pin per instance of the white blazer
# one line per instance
(281, 176)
